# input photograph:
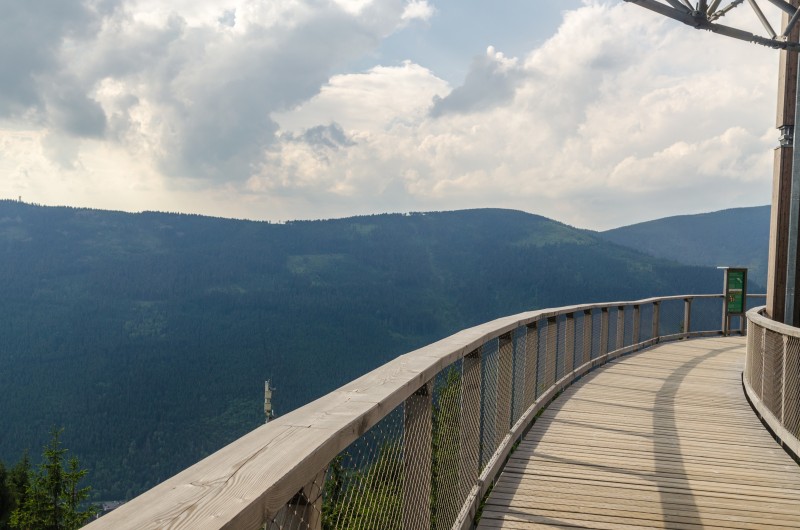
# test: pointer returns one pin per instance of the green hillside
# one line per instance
(148, 336)
(737, 238)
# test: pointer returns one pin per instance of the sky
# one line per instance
(596, 113)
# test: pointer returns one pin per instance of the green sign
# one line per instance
(735, 291)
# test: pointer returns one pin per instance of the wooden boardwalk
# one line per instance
(660, 439)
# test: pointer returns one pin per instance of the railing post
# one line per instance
(531, 363)
(587, 335)
(551, 349)
(620, 327)
(637, 318)
(569, 343)
(505, 373)
(603, 331)
(656, 318)
(470, 422)
(687, 317)
(417, 460)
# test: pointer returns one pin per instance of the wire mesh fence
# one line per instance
(417, 466)
(646, 312)
(597, 335)
(772, 371)
(671, 315)
(706, 314)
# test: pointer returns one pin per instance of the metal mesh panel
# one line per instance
(628, 319)
(773, 372)
(364, 484)
(791, 387)
(531, 364)
(541, 368)
(758, 363)
(707, 314)
(671, 317)
(569, 344)
(753, 343)
(577, 355)
(446, 499)
(505, 367)
(646, 322)
(612, 330)
(518, 393)
(305, 510)
(597, 333)
(561, 335)
(489, 373)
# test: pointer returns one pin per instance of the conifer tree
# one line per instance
(52, 497)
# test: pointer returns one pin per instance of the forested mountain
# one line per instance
(148, 336)
(736, 238)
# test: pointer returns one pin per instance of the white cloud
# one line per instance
(418, 10)
(251, 109)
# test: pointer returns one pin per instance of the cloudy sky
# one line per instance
(595, 113)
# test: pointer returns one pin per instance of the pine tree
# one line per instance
(52, 497)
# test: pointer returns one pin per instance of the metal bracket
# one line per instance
(786, 139)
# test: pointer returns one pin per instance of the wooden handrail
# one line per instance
(247, 482)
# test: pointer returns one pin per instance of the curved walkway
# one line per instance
(660, 439)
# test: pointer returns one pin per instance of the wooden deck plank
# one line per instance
(660, 439)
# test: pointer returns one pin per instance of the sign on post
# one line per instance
(735, 297)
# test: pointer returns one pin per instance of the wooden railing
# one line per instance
(772, 376)
(417, 442)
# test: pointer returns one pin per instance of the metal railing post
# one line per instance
(417, 455)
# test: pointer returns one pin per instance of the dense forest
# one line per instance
(148, 336)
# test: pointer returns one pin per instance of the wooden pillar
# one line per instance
(587, 335)
(569, 343)
(620, 327)
(637, 317)
(603, 331)
(417, 460)
(470, 422)
(782, 179)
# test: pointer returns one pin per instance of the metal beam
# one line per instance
(783, 5)
(677, 5)
(702, 23)
(792, 21)
(762, 18)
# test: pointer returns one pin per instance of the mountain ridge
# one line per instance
(148, 335)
